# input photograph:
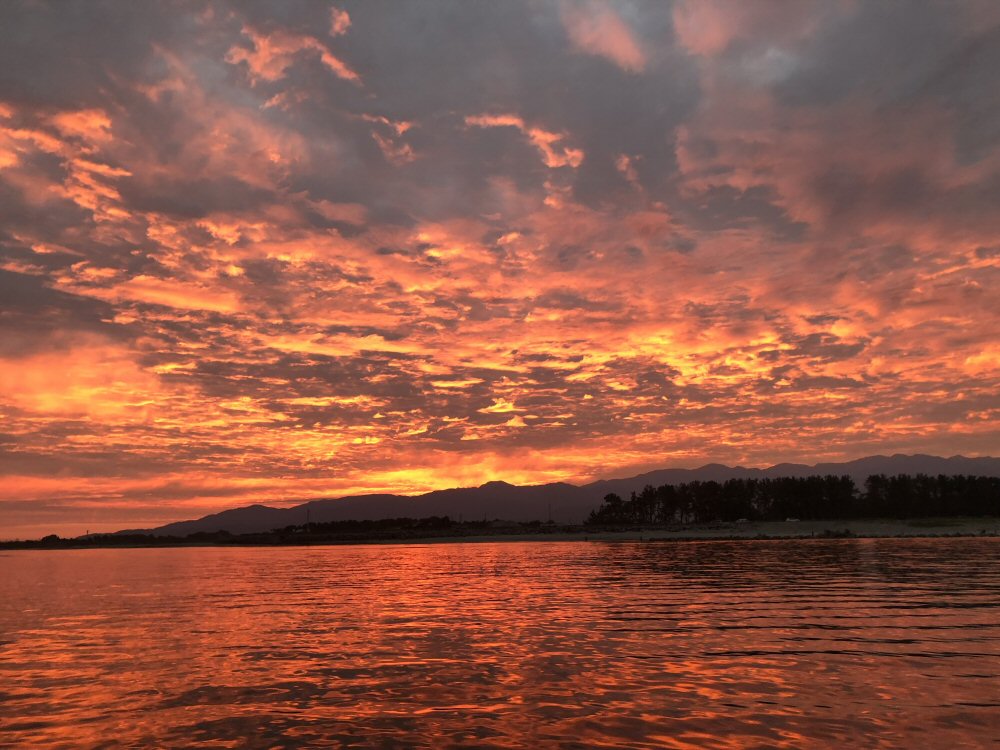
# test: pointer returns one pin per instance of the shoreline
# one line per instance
(915, 528)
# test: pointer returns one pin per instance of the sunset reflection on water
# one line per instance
(873, 643)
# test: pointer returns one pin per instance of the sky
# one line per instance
(272, 251)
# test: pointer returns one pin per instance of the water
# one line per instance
(848, 643)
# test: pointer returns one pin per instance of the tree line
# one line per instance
(815, 497)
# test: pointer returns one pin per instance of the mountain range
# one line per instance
(559, 501)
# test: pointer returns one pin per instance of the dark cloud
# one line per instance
(72, 54)
(887, 50)
(724, 207)
(566, 299)
(826, 347)
(36, 318)
(194, 198)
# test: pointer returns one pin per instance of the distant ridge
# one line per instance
(564, 503)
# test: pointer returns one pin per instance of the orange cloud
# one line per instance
(93, 378)
(553, 155)
(340, 21)
(708, 27)
(184, 295)
(596, 29)
(274, 53)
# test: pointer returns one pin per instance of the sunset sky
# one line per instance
(271, 251)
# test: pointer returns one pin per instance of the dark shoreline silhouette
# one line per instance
(559, 501)
(671, 508)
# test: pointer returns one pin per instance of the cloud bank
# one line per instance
(269, 251)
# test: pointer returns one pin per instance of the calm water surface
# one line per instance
(851, 643)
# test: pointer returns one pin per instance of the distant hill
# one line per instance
(564, 503)
(859, 470)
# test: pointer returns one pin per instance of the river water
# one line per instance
(842, 643)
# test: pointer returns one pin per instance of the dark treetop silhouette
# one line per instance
(816, 497)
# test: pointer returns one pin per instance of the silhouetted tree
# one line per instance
(814, 497)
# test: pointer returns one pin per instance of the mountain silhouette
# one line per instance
(562, 502)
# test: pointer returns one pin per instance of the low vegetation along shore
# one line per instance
(417, 530)
(431, 530)
(809, 507)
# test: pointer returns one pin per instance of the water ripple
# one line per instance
(840, 643)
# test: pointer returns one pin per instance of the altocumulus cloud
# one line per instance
(275, 250)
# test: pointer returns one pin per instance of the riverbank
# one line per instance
(497, 532)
